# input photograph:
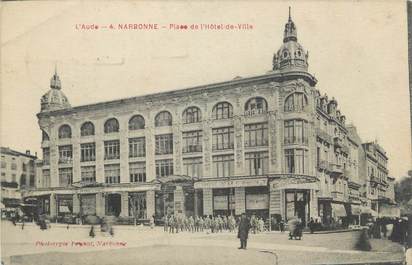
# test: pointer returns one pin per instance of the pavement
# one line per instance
(142, 245)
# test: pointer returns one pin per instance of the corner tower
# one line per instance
(291, 56)
(54, 99)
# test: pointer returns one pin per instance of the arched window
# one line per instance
(192, 115)
(87, 129)
(222, 110)
(296, 102)
(45, 136)
(256, 105)
(136, 123)
(65, 132)
(163, 118)
(111, 126)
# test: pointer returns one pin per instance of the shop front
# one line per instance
(176, 196)
(294, 196)
(257, 201)
(233, 196)
(224, 202)
(65, 208)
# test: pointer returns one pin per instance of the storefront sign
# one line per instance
(220, 202)
(231, 183)
(293, 183)
(257, 201)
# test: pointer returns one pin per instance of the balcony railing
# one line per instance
(324, 135)
(65, 160)
(337, 196)
(295, 108)
(335, 169)
(297, 140)
(228, 146)
(254, 112)
(192, 148)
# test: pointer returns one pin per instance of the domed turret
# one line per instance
(54, 99)
(291, 55)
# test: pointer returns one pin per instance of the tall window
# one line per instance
(255, 106)
(223, 165)
(65, 132)
(192, 115)
(296, 161)
(164, 144)
(222, 110)
(192, 141)
(257, 163)
(296, 102)
(137, 147)
(65, 176)
(223, 138)
(112, 173)
(111, 126)
(87, 152)
(88, 174)
(111, 149)
(46, 156)
(164, 168)
(193, 167)
(65, 154)
(136, 123)
(256, 134)
(46, 178)
(296, 132)
(137, 172)
(87, 129)
(163, 118)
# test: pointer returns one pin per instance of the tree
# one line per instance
(403, 194)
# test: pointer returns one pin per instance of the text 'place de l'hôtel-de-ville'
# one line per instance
(269, 145)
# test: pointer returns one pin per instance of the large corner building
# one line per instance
(269, 145)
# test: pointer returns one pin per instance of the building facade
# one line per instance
(269, 145)
(18, 172)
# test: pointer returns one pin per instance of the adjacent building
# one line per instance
(269, 145)
(18, 172)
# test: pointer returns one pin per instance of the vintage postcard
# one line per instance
(205, 132)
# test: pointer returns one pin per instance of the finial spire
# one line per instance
(55, 80)
(290, 17)
(55, 68)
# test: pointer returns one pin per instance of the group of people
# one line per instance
(214, 224)
(395, 229)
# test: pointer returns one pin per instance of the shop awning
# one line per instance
(367, 210)
(338, 210)
(356, 209)
(389, 211)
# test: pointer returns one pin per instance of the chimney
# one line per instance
(27, 152)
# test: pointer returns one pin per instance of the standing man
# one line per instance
(243, 232)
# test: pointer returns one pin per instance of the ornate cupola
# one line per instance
(291, 56)
(54, 99)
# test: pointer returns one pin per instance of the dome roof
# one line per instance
(291, 55)
(54, 99)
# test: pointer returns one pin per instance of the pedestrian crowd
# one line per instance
(209, 223)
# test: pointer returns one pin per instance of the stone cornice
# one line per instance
(210, 88)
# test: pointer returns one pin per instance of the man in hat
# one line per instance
(243, 231)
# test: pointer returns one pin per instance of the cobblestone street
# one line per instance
(141, 245)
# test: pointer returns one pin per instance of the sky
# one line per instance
(357, 51)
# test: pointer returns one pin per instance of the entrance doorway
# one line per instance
(297, 205)
(113, 204)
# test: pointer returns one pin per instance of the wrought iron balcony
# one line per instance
(324, 135)
(335, 169)
(65, 160)
(255, 112)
